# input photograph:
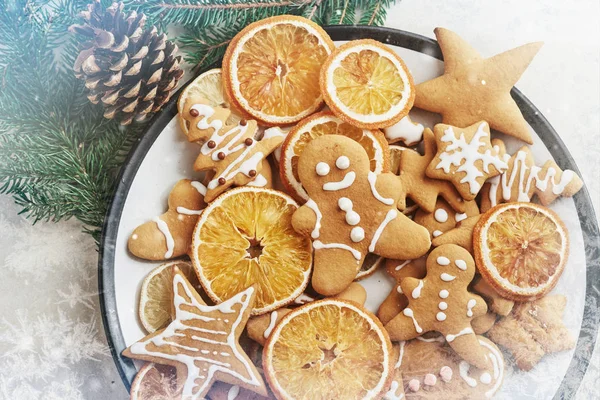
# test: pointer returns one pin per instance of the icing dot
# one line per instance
(414, 385)
(322, 169)
(461, 264)
(446, 373)
(485, 378)
(440, 316)
(400, 289)
(430, 380)
(357, 234)
(437, 233)
(483, 82)
(441, 215)
(443, 261)
(443, 305)
(352, 217)
(134, 236)
(342, 162)
(460, 217)
(444, 293)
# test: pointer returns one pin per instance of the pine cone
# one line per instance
(132, 71)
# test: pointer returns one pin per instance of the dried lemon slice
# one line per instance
(156, 381)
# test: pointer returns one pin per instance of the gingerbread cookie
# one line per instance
(444, 218)
(465, 157)
(523, 179)
(473, 88)
(169, 235)
(484, 323)
(405, 131)
(461, 235)
(532, 330)
(424, 191)
(441, 302)
(432, 370)
(396, 391)
(202, 341)
(496, 303)
(351, 212)
(230, 151)
(396, 300)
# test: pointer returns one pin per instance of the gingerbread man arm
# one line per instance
(389, 185)
(480, 306)
(304, 220)
(409, 284)
(403, 326)
(392, 241)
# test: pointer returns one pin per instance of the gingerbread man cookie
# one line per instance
(351, 212)
(169, 235)
(232, 152)
(465, 157)
(461, 234)
(441, 302)
(444, 218)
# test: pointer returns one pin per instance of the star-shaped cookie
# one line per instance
(418, 186)
(202, 342)
(465, 157)
(474, 88)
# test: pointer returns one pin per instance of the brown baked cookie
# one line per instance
(532, 330)
(444, 218)
(432, 370)
(483, 323)
(496, 303)
(461, 235)
(441, 302)
(473, 88)
(396, 391)
(169, 235)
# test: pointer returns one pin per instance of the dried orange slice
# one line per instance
(367, 84)
(328, 349)
(156, 381)
(271, 68)
(156, 294)
(521, 249)
(245, 237)
(325, 123)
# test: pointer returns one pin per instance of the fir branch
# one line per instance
(374, 12)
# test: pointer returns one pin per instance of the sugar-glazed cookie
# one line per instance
(351, 212)
(169, 235)
(441, 302)
(444, 218)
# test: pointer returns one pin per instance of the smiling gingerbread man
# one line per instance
(351, 212)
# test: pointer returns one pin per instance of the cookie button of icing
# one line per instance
(430, 380)
(342, 162)
(446, 373)
(440, 316)
(357, 234)
(414, 385)
(322, 169)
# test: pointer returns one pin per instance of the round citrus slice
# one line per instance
(271, 68)
(328, 349)
(156, 294)
(367, 84)
(245, 237)
(521, 249)
(325, 123)
(156, 381)
(208, 85)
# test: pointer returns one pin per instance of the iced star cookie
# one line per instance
(202, 342)
(444, 218)
(169, 235)
(406, 131)
(432, 370)
(473, 88)
(351, 212)
(465, 157)
(441, 302)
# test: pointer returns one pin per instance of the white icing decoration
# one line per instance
(272, 323)
(440, 215)
(352, 217)
(317, 245)
(391, 394)
(343, 184)
(417, 291)
(409, 313)
(164, 229)
(273, 132)
(391, 215)
(470, 304)
(357, 234)
(465, 155)
(313, 206)
(243, 167)
(322, 169)
(442, 305)
(430, 340)
(446, 373)
(400, 356)
(443, 260)
(447, 277)
(259, 181)
(399, 289)
(191, 388)
(372, 178)
(485, 378)
(233, 392)
(399, 267)
(342, 162)
(199, 187)
(187, 211)
(460, 217)
(463, 368)
(134, 236)
(303, 299)
(444, 293)
(440, 316)
(437, 233)
(465, 331)
(498, 363)
(461, 264)
(406, 131)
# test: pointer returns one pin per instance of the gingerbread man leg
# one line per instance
(468, 348)
(334, 269)
(404, 326)
(393, 242)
